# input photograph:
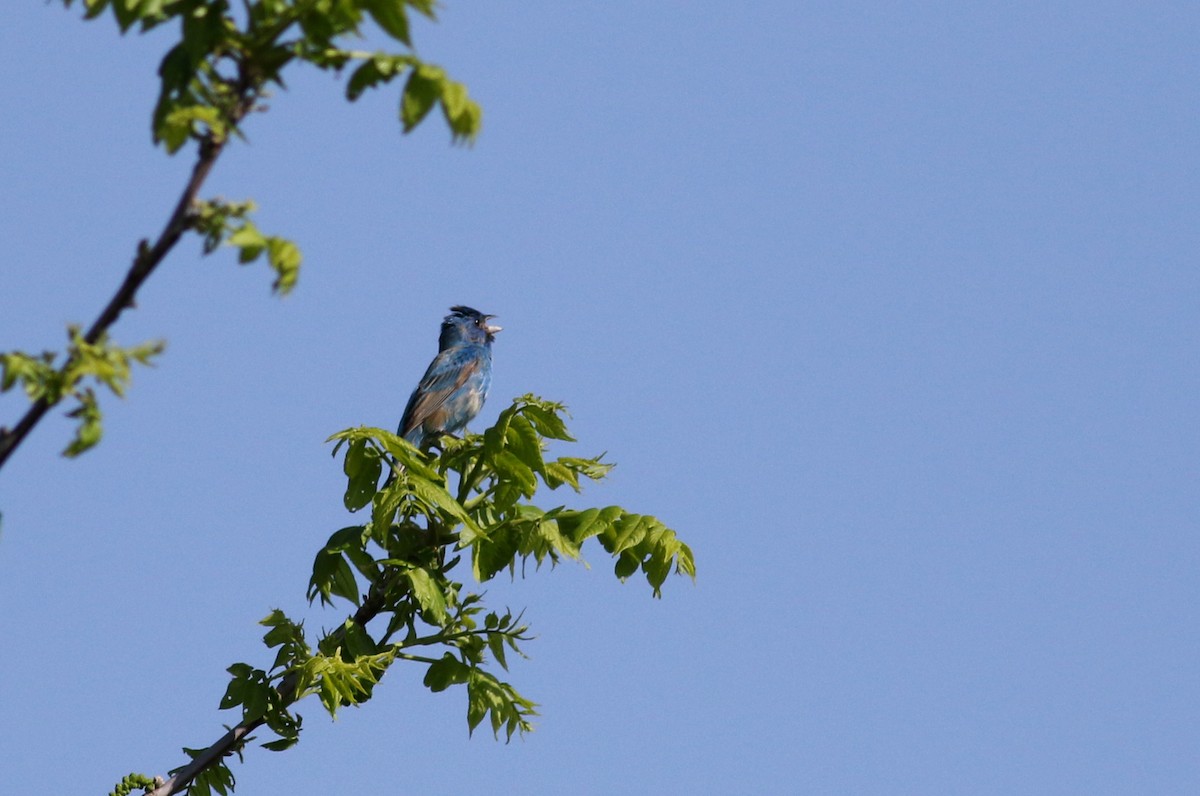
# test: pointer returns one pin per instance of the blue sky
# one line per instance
(889, 309)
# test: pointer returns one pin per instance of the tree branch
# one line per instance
(228, 743)
(144, 263)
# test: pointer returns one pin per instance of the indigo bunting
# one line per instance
(456, 383)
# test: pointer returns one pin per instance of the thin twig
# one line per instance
(144, 263)
(232, 740)
(147, 259)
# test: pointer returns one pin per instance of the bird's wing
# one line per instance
(449, 370)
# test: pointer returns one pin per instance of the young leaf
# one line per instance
(285, 259)
(428, 593)
(89, 431)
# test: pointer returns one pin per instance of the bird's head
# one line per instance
(466, 325)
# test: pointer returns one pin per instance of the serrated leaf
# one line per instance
(547, 422)
(555, 475)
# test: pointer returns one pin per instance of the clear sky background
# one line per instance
(889, 309)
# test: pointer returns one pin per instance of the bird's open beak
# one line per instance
(493, 329)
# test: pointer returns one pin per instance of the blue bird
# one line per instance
(456, 383)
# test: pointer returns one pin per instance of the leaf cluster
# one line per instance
(224, 60)
(87, 366)
(220, 222)
(422, 516)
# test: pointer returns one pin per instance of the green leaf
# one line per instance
(523, 442)
(429, 594)
(367, 75)
(255, 702)
(89, 430)
(496, 552)
(362, 468)
(446, 672)
(592, 469)
(496, 645)
(455, 101)
(216, 777)
(515, 471)
(389, 15)
(288, 636)
(578, 526)
(627, 564)
(463, 115)
(420, 93)
(126, 13)
(36, 375)
(407, 456)
(214, 217)
(234, 694)
(435, 495)
(338, 681)
(425, 7)
(94, 8)
(203, 30)
(627, 532)
(191, 121)
(508, 709)
(375, 70)
(285, 258)
(545, 418)
(383, 510)
(643, 541)
(249, 241)
(282, 255)
(331, 575)
(337, 577)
